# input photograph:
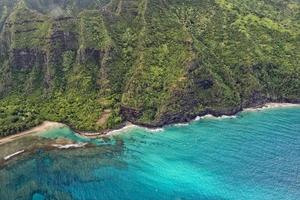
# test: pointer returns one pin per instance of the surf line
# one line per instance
(14, 154)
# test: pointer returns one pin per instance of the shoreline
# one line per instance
(271, 106)
(129, 125)
(47, 125)
(123, 128)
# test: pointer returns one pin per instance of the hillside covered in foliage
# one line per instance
(94, 64)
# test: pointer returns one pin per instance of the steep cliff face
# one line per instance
(152, 62)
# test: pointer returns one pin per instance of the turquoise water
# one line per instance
(253, 156)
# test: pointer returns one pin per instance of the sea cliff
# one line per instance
(96, 64)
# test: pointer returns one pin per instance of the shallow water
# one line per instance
(253, 156)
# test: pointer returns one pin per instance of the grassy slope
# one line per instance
(160, 58)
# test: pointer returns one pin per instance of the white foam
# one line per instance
(181, 124)
(209, 116)
(197, 118)
(252, 109)
(67, 146)
(118, 131)
(14, 154)
(154, 130)
(227, 117)
(271, 105)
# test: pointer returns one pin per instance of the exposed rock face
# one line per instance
(187, 117)
(205, 84)
(64, 41)
(60, 42)
(26, 59)
(257, 98)
(91, 55)
(130, 114)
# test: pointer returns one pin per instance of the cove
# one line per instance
(255, 155)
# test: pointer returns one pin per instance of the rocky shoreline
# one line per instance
(174, 119)
(131, 114)
(178, 119)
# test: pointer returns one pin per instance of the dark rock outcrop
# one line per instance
(26, 59)
(64, 41)
(91, 55)
(130, 114)
(205, 84)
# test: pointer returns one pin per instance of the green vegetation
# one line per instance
(15, 118)
(83, 62)
(93, 33)
(28, 28)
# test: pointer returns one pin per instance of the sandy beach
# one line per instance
(41, 128)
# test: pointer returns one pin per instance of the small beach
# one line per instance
(41, 128)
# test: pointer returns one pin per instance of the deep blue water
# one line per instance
(253, 156)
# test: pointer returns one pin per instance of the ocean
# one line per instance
(254, 155)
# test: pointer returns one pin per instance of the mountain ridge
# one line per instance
(149, 62)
